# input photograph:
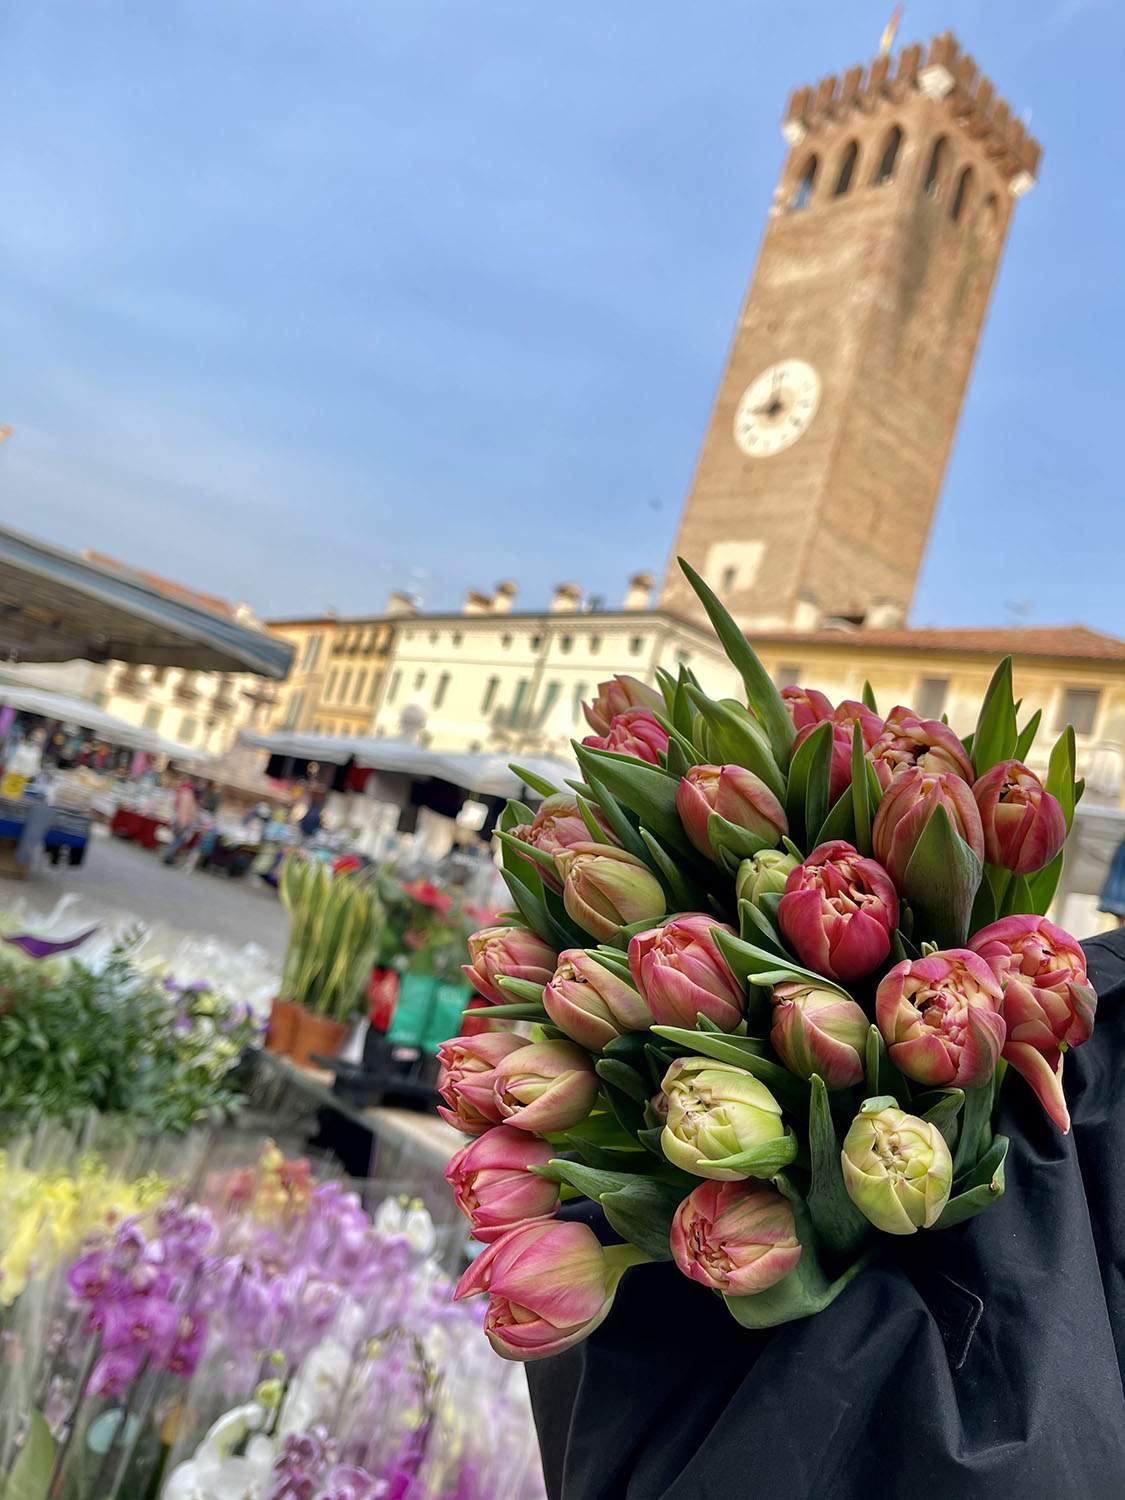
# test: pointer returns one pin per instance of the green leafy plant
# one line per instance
(335, 924)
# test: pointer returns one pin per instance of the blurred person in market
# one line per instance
(185, 815)
(1112, 898)
(209, 798)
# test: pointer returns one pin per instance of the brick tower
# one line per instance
(824, 456)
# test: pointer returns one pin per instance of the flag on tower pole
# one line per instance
(889, 31)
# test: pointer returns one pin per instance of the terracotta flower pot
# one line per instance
(284, 1016)
(317, 1034)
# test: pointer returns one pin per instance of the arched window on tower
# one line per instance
(988, 219)
(962, 195)
(935, 171)
(804, 189)
(847, 169)
(886, 168)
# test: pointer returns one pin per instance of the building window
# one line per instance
(419, 681)
(802, 194)
(885, 171)
(456, 638)
(566, 643)
(433, 637)
(151, 719)
(787, 675)
(187, 729)
(580, 689)
(1079, 706)
(369, 644)
(847, 169)
(963, 194)
(311, 652)
(100, 698)
(728, 578)
(550, 698)
(360, 684)
(293, 709)
(158, 675)
(505, 640)
(932, 695)
(636, 645)
(330, 689)
(595, 644)
(935, 171)
(441, 689)
(392, 689)
(345, 685)
(376, 679)
(536, 642)
(520, 699)
(988, 220)
(489, 694)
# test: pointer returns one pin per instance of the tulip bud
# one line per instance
(736, 795)
(605, 889)
(635, 732)
(508, 953)
(897, 1169)
(807, 707)
(1049, 1003)
(715, 1110)
(763, 874)
(493, 1185)
(617, 696)
(839, 911)
(681, 973)
(590, 1003)
(559, 825)
(941, 1018)
(849, 713)
(549, 1286)
(908, 741)
(906, 809)
(466, 1076)
(1024, 826)
(545, 1086)
(819, 1031)
(734, 1238)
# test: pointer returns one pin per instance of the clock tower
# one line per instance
(825, 452)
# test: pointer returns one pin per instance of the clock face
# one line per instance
(776, 408)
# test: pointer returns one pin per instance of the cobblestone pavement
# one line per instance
(123, 880)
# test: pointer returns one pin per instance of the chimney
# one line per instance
(807, 613)
(401, 603)
(566, 599)
(476, 603)
(639, 593)
(884, 614)
(506, 591)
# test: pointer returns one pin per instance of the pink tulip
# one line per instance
(617, 696)
(807, 707)
(635, 732)
(508, 953)
(839, 911)
(736, 795)
(1024, 826)
(849, 713)
(466, 1077)
(590, 1003)
(908, 805)
(605, 889)
(941, 1018)
(909, 741)
(1049, 1003)
(549, 1286)
(681, 973)
(544, 1086)
(559, 825)
(735, 1238)
(493, 1185)
(819, 1031)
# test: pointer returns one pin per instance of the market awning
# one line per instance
(488, 775)
(80, 712)
(56, 606)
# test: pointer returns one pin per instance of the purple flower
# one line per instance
(115, 1371)
(346, 1482)
(36, 947)
(143, 1322)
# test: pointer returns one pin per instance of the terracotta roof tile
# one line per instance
(1070, 642)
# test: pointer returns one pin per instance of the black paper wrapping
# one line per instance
(984, 1361)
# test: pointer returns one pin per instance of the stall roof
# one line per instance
(87, 715)
(56, 606)
(487, 774)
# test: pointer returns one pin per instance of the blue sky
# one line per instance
(304, 300)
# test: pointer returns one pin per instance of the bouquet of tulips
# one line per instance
(776, 960)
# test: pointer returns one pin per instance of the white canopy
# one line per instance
(87, 715)
(488, 775)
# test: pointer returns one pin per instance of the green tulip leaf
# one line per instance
(589, 1180)
(868, 696)
(791, 1092)
(985, 1187)
(649, 1138)
(682, 892)
(1019, 897)
(615, 815)
(751, 964)
(641, 1210)
(1027, 735)
(835, 1217)
(1060, 773)
(941, 882)
(625, 1104)
(840, 822)
(943, 1113)
(883, 1078)
(613, 960)
(538, 784)
(732, 844)
(597, 833)
(734, 738)
(613, 1071)
(807, 787)
(514, 815)
(975, 1120)
(860, 792)
(755, 927)
(533, 909)
(994, 738)
(764, 1161)
(1043, 885)
(645, 790)
(761, 690)
(30, 1475)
